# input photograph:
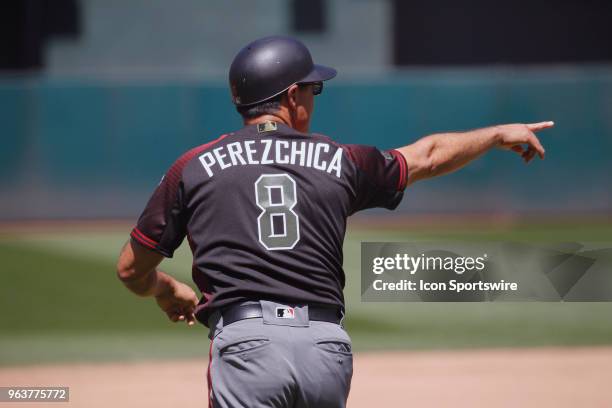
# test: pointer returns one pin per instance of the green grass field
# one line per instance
(60, 301)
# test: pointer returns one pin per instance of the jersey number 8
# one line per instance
(278, 225)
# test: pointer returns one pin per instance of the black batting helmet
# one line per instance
(268, 66)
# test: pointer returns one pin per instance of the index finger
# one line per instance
(534, 127)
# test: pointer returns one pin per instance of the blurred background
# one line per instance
(99, 97)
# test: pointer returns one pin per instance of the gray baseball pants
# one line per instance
(277, 362)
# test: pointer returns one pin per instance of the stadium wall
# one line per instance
(97, 148)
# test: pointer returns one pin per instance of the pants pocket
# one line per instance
(335, 345)
(244, 345)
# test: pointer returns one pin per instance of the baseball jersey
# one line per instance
(264, 210)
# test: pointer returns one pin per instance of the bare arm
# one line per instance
(137, 269)
(444, 153)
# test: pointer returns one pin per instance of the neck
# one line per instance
(269, 118)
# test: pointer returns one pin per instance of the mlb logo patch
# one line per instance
(285, 313)
(267, 127)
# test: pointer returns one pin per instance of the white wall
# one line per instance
(198, 38)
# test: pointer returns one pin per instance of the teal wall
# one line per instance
(97, 148)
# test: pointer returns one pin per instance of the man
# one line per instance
(264, 209)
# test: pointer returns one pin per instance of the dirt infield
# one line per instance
(547, 377)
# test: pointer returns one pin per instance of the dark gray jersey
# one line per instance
(264, 210)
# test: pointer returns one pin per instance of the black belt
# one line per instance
(252, 311)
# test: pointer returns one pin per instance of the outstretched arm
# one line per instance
(444, 153)
(137, 269)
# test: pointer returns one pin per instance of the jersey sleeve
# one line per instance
(162, 226)
(379, 178)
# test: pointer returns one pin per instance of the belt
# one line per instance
(252, 311)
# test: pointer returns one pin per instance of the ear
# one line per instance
(292, 96)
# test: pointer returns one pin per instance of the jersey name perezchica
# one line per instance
(268, 151)
(264, 210)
